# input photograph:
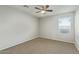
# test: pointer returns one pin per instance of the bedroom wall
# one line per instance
(16, 27)
(49, 29)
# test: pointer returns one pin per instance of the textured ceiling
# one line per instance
(57, 9)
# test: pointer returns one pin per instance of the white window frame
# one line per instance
(64, 24)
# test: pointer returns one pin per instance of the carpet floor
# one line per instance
(42, 46)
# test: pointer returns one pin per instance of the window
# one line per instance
(64, 24)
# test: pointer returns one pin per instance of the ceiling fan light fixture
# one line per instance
(43, 11)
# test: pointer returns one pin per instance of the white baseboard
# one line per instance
(57, 39)
(32, 39)
(9, 46)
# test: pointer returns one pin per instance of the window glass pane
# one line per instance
(64, 24)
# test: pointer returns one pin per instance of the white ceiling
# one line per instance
(57, 9)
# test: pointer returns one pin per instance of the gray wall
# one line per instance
(49, 29)
(16, 27)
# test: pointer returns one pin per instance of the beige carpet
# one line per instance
(42, 46)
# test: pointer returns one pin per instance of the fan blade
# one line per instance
(47, 6)
(49, 10)
(37, 11)
(37, 8)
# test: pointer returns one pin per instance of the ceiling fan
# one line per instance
(43, 9)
